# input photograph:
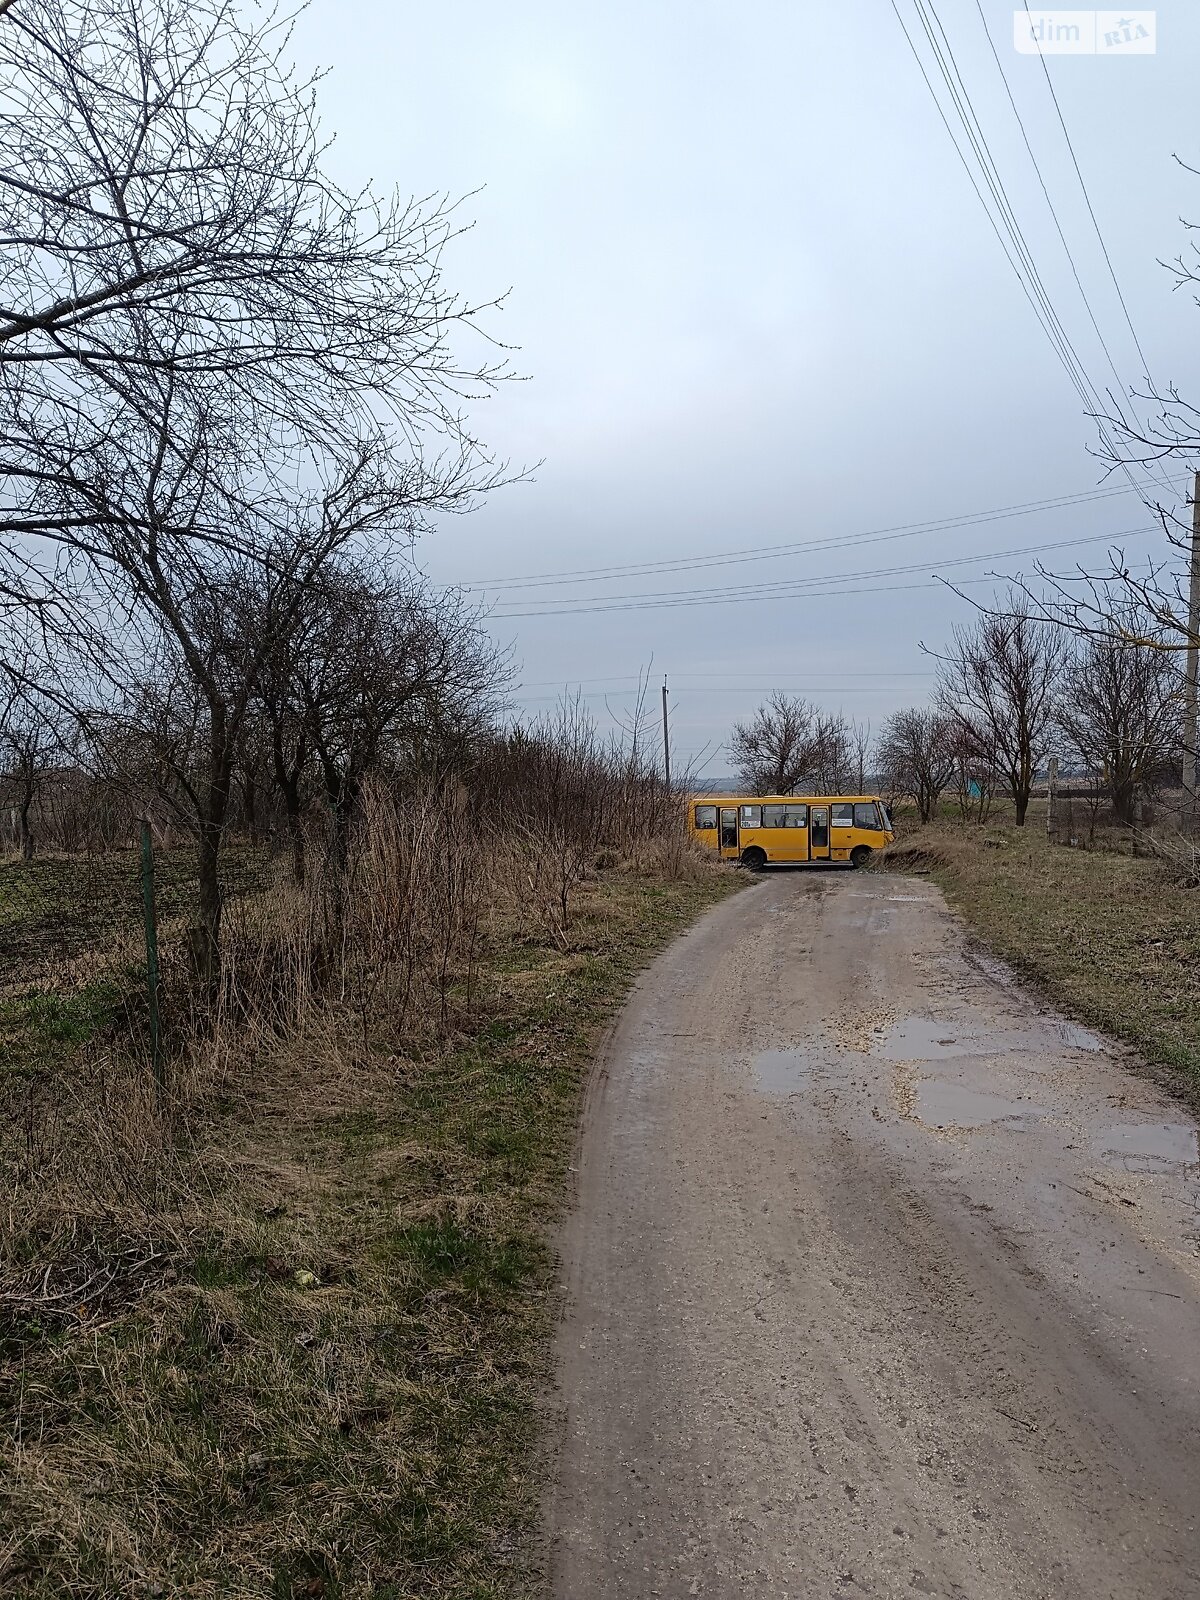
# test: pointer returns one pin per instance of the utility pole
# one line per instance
(1193, 663)
(667, 737)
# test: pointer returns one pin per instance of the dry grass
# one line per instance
(307, 1358)
(1113, 939)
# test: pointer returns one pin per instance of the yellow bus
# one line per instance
(760, 829)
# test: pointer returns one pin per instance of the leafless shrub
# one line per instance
(417, 879)
(917, 754)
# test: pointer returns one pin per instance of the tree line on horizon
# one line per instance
(1014, 688)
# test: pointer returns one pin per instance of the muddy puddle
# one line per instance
(926, 1039)
(1149, 1146)
(1074, 1036)
(781, 1072)
(936, 1039)
(956, 1105)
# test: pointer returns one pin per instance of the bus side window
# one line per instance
(794, 816)
(773, 816)
(752, 816)
(866, 815)
(706, 816)
(842, 816)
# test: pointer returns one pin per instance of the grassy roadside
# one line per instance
(1113, 940)
(334, 1392)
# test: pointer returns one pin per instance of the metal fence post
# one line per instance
(152, 961)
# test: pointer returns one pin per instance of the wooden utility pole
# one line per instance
(666, 738)
(1193, 662)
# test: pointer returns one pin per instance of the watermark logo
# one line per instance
(1085, 33)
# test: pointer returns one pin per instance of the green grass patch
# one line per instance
(38, 1027)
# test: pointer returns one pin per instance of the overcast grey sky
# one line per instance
(758, 304)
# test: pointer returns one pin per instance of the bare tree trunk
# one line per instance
(342, 790)
(250, 807)
(1124, 802)
(295, 826)
(26, 831)
(206, 935)
(288, 767)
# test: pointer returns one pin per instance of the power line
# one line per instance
(966, 165)
(1046, 195)
(756, 553)
(569, 682)
(1027, 273)
(1125, 388)
(797, 587)
(818, 580)
(973, 127)
(725, 677)
(1091, 212)
(718, 598)
(735, 689)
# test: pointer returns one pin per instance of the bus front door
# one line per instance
(818, 833)
(729, 831)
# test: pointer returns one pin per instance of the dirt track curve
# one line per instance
(882, 1280)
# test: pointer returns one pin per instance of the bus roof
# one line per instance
(773, 799)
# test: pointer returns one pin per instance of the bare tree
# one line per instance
(917, 754)
(832, 765)
(392, 677)
(218, 370)
(790, 744)
(167, 211)
(998, 687)
(30, 747)
(774, 751)
(1121, 708)
(287, 726)
(859, 736)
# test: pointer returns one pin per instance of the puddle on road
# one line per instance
(1075, 1037)
(782, 1071)
(931, 1039)
(955, 1105)
(926, 1039)
(1149, 1146)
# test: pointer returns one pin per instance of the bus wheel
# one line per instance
(754, 858)
(860, 855)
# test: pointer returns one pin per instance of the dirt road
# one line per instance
(882, 1280)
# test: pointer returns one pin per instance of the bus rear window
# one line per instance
(706, 816)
